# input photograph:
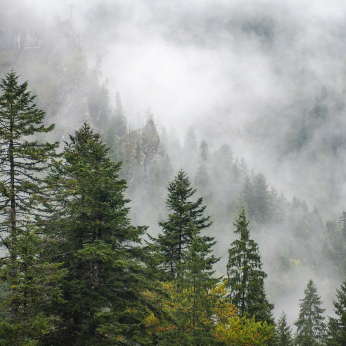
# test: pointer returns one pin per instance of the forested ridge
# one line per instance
(117, 229)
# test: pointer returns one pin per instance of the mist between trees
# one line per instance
(269, 139)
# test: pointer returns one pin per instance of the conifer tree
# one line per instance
(185, 221)
(284, 333)
(98, 246)
(23, 163)
(310, 323)
(204, 153)
(35, 291)
(245, 276)
(337, 326)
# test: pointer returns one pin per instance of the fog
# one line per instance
(219, 66)
(240, 72)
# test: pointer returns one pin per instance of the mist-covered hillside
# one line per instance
(246, 97)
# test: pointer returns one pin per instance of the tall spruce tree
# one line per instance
(99, 247)
(284, 332)
(23, 163)
(245, 276)
(337, 326)
(310, 323)
(185, 221)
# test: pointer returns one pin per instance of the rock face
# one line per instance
(150, 145)
(139, 150)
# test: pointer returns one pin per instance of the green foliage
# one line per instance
(34, 292)
(310, 323)
(21, 160)
(245, 277)
(33, 282)
(284, 332)
(244, 332)
(185, 222)
(194, 318)
(99, 247)
(337, 326)
(335, 243)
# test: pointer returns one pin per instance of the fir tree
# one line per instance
(185, 221)
(310, 323)
(23, 163)
(97, 244)
(284, 333)
(245, 277)
(337, 326)
(35, 290)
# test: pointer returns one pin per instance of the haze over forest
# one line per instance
(247, 97)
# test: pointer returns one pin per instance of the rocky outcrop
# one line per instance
(150, 145)
(139, 150)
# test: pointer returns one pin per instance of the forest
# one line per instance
(123, 227)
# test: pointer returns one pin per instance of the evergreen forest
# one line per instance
(139, 213)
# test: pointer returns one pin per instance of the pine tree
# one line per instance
(23, 163)
(310, 323)
(245, 277)
(185, 221)
(99, 247)
(337, 326)
(35, 290)
(284, 333)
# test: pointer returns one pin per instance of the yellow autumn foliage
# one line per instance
(215, 310)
